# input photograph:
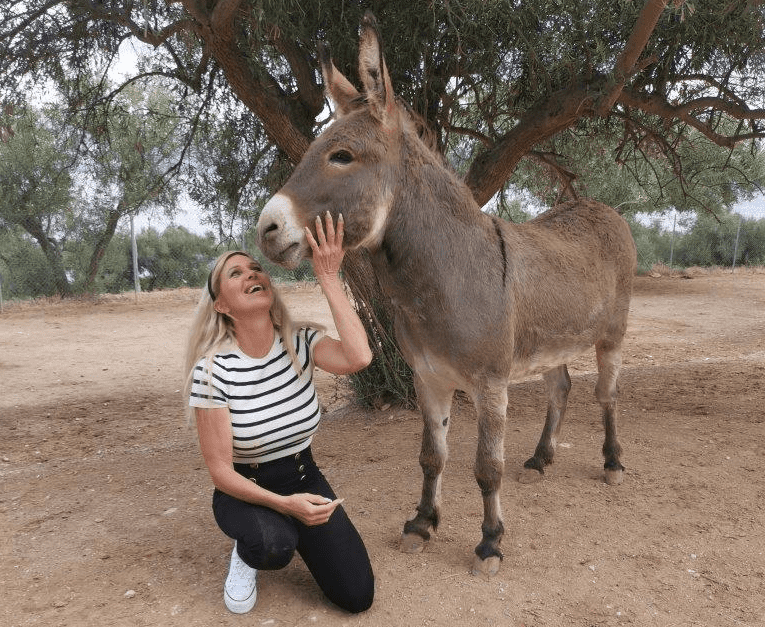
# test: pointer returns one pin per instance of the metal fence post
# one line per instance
(134, 251)
(735, 246)
(672, 242)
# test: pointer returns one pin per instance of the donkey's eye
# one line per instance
(342, 157)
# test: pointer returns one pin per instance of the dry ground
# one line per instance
(105, 503)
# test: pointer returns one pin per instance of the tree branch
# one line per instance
(492, 168)
(658, 105)
(627, 61)
(309, 91)
(223, 13)
(565, 176)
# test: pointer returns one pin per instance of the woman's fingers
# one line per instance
(330, 227)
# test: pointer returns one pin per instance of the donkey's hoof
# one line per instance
(614, 476)
(486, 568)
(412, 543)
(530, 475)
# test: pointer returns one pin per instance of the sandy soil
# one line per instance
(105, 502)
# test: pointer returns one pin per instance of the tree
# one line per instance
(696, 176)
(495, 82)
(176, 258)
(712, 241)
(36, 188)
(67, 177)
(24, 269)
(129, 155)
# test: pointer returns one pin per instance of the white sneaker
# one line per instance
(240, 591)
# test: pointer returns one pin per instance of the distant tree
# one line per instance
(129, 162)
(66, 178)
(712, 241)
(36, 188)
(175, 258)
(24, 269)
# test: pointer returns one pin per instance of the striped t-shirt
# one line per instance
(274, 412)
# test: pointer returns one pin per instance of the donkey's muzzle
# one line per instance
(280, 234)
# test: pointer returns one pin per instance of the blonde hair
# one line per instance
(212, 331)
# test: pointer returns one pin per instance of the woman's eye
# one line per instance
(342, 157)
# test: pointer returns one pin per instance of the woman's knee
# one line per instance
(362, 601)
(266, 553)
(265, 539)
(269, 543)
(357, 597)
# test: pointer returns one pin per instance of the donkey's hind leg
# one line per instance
(609, 358)
(435, 403)
(558, 384)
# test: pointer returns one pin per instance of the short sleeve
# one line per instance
(311, 337)
(205, 391)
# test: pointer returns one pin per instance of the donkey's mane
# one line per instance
(424, 132)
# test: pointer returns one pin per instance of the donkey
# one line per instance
(478, 302)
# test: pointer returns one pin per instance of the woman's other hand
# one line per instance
(310, 509)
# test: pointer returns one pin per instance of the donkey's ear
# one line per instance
(338, 88)
(374, 73)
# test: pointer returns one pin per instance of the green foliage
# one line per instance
(653, 244)
(176, 258)
(712, 242)
(68, 180)
(704, 240)
(24, 270)
(694, 175)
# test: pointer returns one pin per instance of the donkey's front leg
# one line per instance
(435, 403)
(491, 405)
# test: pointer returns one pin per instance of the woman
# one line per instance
(256, 415)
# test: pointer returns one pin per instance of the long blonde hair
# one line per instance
(212, 331)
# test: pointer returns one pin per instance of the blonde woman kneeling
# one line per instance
(251, 389)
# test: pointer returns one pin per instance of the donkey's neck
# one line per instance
(437, 241)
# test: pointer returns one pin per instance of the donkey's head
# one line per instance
(350, 168)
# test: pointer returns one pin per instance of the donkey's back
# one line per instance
(571, 283)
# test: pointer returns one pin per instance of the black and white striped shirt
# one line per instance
(274, 412)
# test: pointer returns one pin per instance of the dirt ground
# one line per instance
(105, 502)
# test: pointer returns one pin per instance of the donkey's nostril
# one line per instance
(269, 230)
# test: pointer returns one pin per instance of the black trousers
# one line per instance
(333, 552)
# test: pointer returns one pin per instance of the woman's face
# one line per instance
(243, 288)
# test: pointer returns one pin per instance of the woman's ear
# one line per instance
(221, 307)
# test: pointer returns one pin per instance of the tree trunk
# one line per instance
(52, 254)
(100, 248)
(388, 379)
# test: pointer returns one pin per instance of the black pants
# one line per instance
(267, 540)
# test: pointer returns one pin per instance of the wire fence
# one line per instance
(176, 257)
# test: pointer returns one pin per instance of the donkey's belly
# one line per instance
(544, 360)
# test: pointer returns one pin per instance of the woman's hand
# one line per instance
(328, 251)
(351, 353)
(310, 509)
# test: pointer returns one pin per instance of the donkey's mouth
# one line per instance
(289, 257)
